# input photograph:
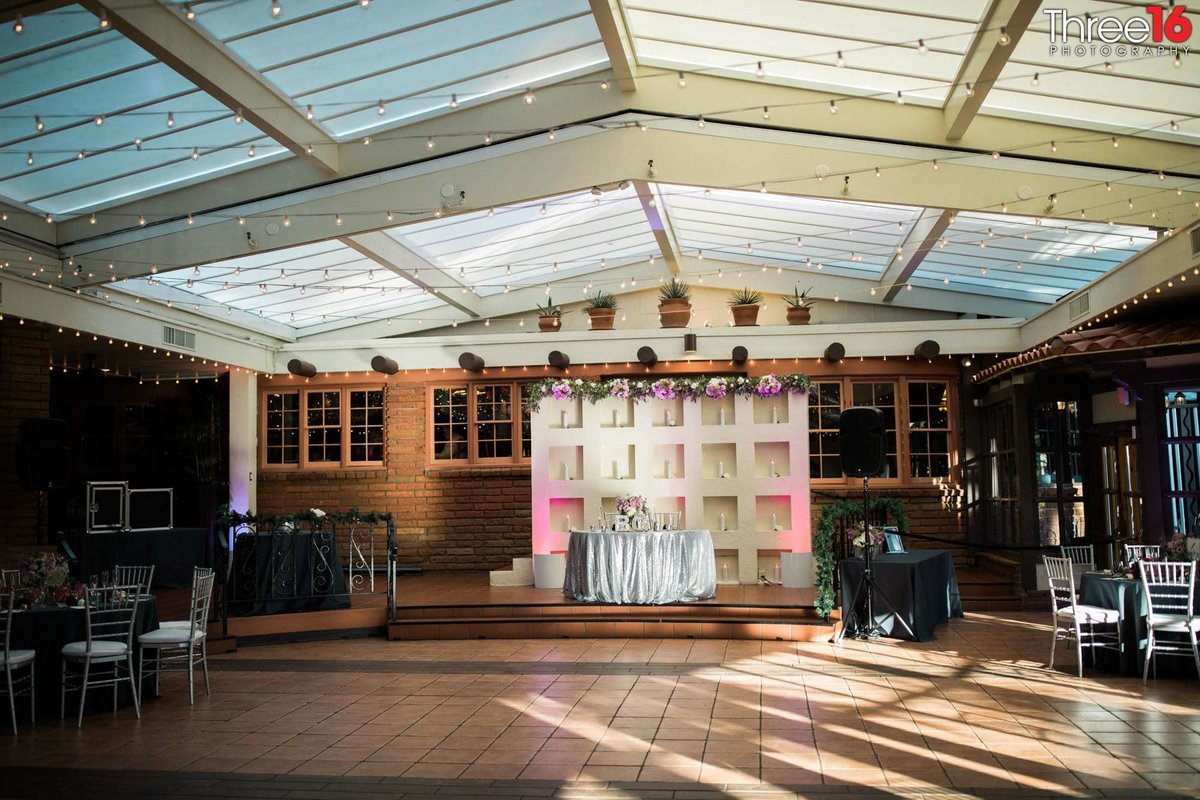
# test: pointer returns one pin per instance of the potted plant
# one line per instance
(674, 310)
(549, 316)
(798, 307)
(602, 308)
(744, 305)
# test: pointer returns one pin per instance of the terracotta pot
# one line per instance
(602, 318)
(549, 322)
(745, 314)
(799, 316)
(674, 312)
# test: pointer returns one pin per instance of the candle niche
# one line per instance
(665, 413)
(667, 461)
(720, 514)
(718, 412)
(769, 566)
(565, 463)
(566, 511)
(772, 513)
(617, 461)
(613, 412)
(566, 413)
(771, 410)
(727, 566)
(772, 460)
(718, 460)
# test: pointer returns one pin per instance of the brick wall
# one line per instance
(462, 518)
(24, 393)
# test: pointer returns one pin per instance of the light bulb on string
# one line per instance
(308, 111)
(38, 124)
(970, 89)
(276, 9)
(759, 72)
(429, 143)
(529, 97)
(921, 48)
(833, 109)
(195, 153)
(251, 151)
(840, 61)
(29, 158)
(170, 119)
(899, 98)
(189, 13)
(19, 25)
(453, 101)
(682, 80)
(1005, 39)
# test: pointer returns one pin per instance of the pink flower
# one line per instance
(664, 389)
(619, 389)
(561, 390)
(716, 388)
(768, 386)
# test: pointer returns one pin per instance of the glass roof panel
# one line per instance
(67, 72)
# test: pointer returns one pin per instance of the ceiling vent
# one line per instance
(179, 338)
(1079, 305)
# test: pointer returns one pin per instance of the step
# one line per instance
(521, 574)
(600, 627)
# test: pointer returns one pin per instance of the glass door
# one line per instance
(1058, 472)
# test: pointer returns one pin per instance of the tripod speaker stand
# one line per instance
(861, 443)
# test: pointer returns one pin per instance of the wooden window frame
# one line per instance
(472, 460)
(303, 464)
(901, 383)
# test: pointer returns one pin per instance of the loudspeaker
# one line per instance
(44, 453)
(860, 442)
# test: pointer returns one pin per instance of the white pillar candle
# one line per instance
(720, 469)
(670, 417)
(614, 467)
(667, 469)
(567, 523)
(721, 416)
(774, 523)
(616, 424)
(774, 415)
(724, 570)
(562, 418)
(566, 473)
(722, 521)
(773, 472)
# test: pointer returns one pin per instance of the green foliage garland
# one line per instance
(229, 518)
(822, 541)
(692, 388)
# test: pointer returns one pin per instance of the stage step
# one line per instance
(521, 574)
(606, 626)
(984, 590)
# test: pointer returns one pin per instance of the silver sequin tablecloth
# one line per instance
(643, 568)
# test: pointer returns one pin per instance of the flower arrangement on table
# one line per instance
(691, 388)
(45, 579)
(859, 538)
(632, 505)
(1176, 548)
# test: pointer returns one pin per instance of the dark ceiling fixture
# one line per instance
(740, 355)
(647, 356)
(305, 369)
(689, 343)
(558, 359)
(927, 349)
(470, 362)
(387, 366)
(835, 352)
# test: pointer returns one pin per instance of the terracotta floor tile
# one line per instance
(425, 770)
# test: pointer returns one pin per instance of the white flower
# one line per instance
(316, 512)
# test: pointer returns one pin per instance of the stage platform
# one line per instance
(463, 605)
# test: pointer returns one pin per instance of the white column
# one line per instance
(243, 440)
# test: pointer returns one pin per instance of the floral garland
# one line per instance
(690, 388)
(823, 540)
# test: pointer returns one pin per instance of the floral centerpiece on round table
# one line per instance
(1176, 548)
(45, 579)
(859, 538)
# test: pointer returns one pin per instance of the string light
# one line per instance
(833, 107)
(170, 119)
(250, 152)
(970, 89)
(766, 112)
(429, 143)
(841, 60)
(1005, 39)
(189, 13)
(899, 98)
(682, 80)
(604, 86)
(1035, 80)
(529, 97)
(195, 153)
(308, 111)
(759, 72)
(19, 25)
(453, 101)
(276, 9)
(921, 48)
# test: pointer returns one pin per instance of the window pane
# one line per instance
(366, 424)
(282, 417)
(450, 423)
(324, 426)
(882, 396)
(494, 421)
(929, 435)
(824, 415)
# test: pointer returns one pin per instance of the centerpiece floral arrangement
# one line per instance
(690, 388)
(632, 505)
(45, 579)
(1176, 548)
(860, 538)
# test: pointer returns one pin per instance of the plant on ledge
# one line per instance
(798, 307)
(549, 316)
(744, 305)
(674, 310)
(602, 309)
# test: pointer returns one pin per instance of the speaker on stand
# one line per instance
(862, 437)
(43, 462)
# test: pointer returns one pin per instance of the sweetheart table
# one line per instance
(640, 567)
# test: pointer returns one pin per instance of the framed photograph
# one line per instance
(892, 538)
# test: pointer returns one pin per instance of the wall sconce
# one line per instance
(740, 355)
(387, 366)
(927, 349)
(558, 359)
(470, 362)
(835, 352)
(689, 343)
(305, 369)
(647, 356)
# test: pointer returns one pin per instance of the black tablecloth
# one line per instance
(1128, 596)
(46, 630)
(173, 552)
(281, 572)
(920, 584)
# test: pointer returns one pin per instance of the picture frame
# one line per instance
(892, 539)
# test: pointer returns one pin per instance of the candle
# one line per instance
(724, 570)
(566, 472)
(722, 521)
(720, 469)
(777, 572)
(567, 523)
(774, 523)
(562, 418)
(670, 417)
(720, 416)
(774, 474)
(616, 424)
(774, 415)
(667, 469)
(614, 468)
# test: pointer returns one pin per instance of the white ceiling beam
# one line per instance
(922, 237)
(618, 43)
(161, 30)
(660, 224)
(984, 61)
(403, 261)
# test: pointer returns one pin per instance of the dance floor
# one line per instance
(973, 714)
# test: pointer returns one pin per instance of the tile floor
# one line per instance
(975, 713)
